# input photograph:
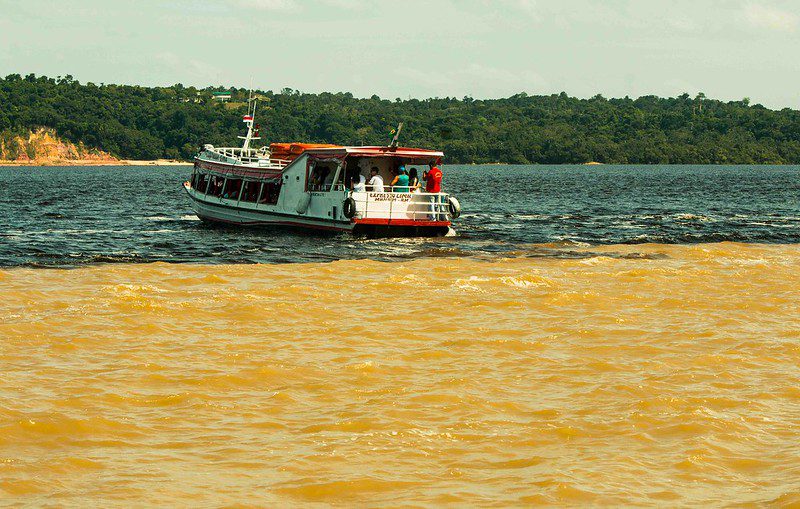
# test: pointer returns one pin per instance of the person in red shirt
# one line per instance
(433, 179)
(433, 184)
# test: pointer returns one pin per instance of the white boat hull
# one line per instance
(218, 210)
(288, 196)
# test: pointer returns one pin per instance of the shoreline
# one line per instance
(94, 162)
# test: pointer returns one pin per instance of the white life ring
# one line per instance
(455, 207)
(302, 203)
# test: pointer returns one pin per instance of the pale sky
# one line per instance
(728, 49)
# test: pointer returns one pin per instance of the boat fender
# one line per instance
(349, 208)
(455, 207)
(302, 203)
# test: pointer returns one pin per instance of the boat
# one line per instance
(308, 186)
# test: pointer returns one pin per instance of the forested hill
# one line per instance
(136, 122)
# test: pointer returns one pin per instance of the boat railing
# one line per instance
(249, 156)
(238, 152)
(369, 189)
(396, 203)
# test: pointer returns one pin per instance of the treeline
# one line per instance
(134, 122)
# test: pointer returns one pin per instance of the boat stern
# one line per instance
(403, 213)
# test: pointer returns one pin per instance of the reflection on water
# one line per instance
(548, 374)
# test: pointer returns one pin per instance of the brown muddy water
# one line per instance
(618, 375)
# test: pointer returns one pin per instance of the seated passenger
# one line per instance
(327, 182)
(375, 181)
(319, 178)
(400, 182)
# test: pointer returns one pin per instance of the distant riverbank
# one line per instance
(91, 162)
(143, 123)
(167, 162)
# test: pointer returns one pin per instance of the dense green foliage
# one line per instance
(147, 123)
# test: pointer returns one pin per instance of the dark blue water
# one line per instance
(73, 216)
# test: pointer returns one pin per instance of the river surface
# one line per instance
(75, 216)
(616, 336)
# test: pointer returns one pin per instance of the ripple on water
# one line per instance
(59, 212)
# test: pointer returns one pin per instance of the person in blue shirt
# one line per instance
(400, 182)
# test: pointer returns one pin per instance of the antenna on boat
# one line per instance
(248, 119)
(396, 132)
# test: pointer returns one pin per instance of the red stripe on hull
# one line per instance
(400, 222)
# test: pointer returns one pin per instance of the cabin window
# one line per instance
(250, 192)
(201, 182)
(270, 192)
(215, 185)
(346, 176)
(232, 188)
(322, 175)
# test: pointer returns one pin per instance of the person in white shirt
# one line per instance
(359, 183)
(375, 181)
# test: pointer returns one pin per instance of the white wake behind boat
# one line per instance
(309, 186)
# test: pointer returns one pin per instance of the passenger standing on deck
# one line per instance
(433, 179)
(400, 180)
(433, 184)
(359, 183)
(413, 180)
(375, 181)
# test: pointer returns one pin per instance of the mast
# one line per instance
(393, 143)
(249, 119)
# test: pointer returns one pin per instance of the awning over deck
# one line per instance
(290, 151)
(379, 152)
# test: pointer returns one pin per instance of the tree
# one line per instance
(154, 122)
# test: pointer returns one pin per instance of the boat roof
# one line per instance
(378, 151)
